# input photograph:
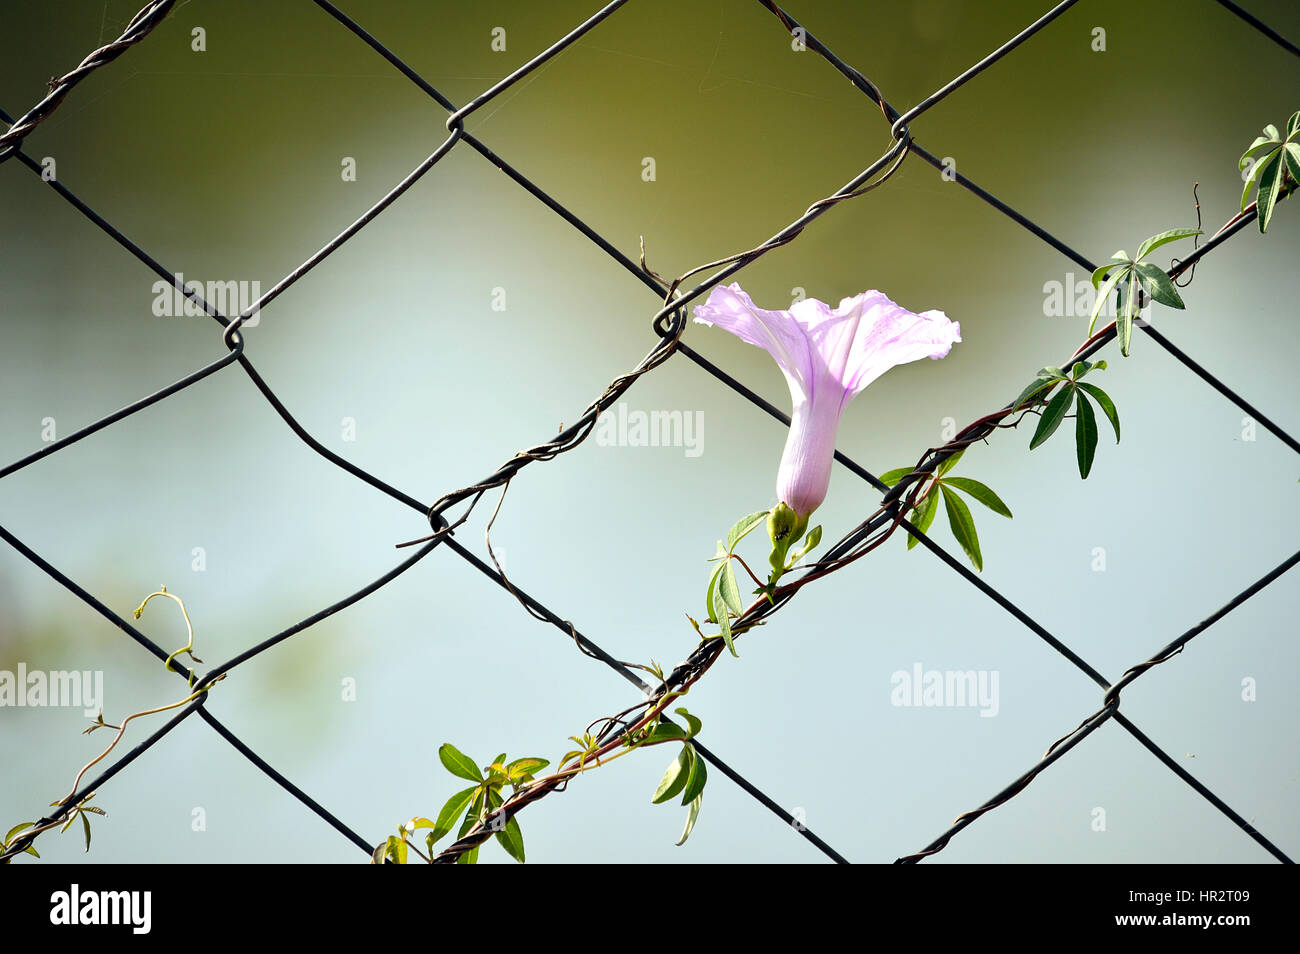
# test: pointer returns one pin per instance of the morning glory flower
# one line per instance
(827, 355)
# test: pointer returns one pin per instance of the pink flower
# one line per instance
(828, 356)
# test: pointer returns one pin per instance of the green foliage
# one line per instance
(785, 528)
(686, 776)
(960, 519)
(722, 598)
(469, 806)
(1276, 172)
(674, 779)
(963, 526)
(1126, 276)
(1073, 391)
(82, 810)
(587, 743)
(17, 830)
(743, 526)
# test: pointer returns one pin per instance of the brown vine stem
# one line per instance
(188, 648)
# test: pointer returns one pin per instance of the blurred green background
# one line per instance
(226, 164)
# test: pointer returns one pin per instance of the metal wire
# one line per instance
(668, 323)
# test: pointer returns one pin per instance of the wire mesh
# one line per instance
(668, 323)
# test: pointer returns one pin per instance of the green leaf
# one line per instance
(1259, 143)
(458, 763)
(455, 806)
(695, 783)
(923, 515)
(512, 840)
(1099, 273)
(1293, 124)
(693, 723)
(674, 779)
(480, 811)
(1103, 293)
(1107, 405)
(743, 526)
(949, 463)
(1163, 238)
(396, 849)
(889, 478)
(729, 590)
(1085, 434)
(1271, 131)
(524, 769)
(813, 538)
(16, 830)
(723, 619)
(1045, 378)
(1291, 154)
(708, 595)
(470, 857)
(1251, 179)
(724, 624)
(1083, 367)
(665, 732)
(415, 824)
(980, 492)
(1052, 416)
(1033, 389)
(85, 824)
(963, 526)
(1158, 285)
(1270, 185)
(1124, 320)
(474, 814)
(691, 815)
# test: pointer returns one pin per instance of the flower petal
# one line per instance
(776, 332)
(805, 472)
(886, 335)
(828, 355)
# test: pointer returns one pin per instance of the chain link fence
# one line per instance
(664, 333)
